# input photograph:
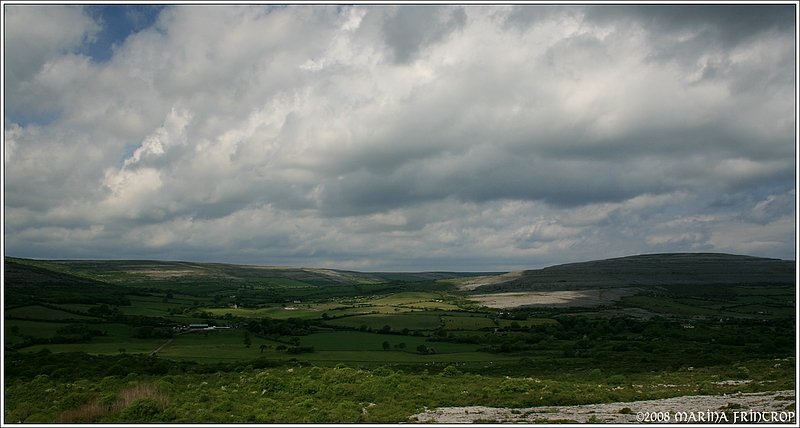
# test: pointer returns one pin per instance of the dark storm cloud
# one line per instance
(727, 25)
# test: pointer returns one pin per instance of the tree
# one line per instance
(386, 345)
(422, 349)
(247, 340)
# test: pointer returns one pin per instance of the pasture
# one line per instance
(102, 346)
(36, 312)
(278, 312)
(396, 322)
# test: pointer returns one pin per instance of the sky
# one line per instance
(398, 137)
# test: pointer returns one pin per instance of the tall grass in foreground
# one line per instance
(137, 404)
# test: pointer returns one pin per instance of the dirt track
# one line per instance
(689, 409)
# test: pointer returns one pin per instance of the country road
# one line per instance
(162, 346)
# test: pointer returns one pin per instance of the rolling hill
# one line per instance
(632, 271)
(647, 270)
(134, 272)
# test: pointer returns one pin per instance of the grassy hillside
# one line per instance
(133, 272)
(652, 270)
(227, 283)
(27, 282)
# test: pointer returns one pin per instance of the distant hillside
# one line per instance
(27, 281)
(139, 272)
(642, 270)
(20, 274)
(649, 270)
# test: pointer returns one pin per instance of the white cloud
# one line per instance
(172, 133)
(35, 34)
(397, 137)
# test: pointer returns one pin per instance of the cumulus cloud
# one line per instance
(39, 34)
(402, 137)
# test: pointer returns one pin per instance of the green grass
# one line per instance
(411, 321)
(286, 282)
(36, 312)
(102, 345)
(277, 312)
(467, 323)
(40, 329)
(359, 310)
(625, 351)
(666, 305)
(357, 395)
(353, 347)
(80, 307)
(434, 305)
(406, 298)
(218, 345)
(530, 322)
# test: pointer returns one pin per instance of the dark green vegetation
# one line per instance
(654, 270)
(92, 341)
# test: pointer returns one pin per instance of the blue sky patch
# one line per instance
(118, 22)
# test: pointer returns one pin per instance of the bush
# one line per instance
(617, 380)
(271, 384)
(142, 410)
(451, 371)
(300, 349)
(514, 385)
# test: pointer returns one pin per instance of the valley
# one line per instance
(209, 342)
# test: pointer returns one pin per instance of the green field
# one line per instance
(103, 346)
(298, 339)
(224, 345)
(14, 329)
(467, 323)
(36, 312)
(279, 312)
(398, 322)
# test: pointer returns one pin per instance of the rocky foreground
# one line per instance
(777, 407)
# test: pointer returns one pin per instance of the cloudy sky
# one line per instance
(441, 137)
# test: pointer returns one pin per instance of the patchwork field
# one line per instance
(222, 343)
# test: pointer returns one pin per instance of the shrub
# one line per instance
(514, 385)
(271, 384)
(142, 410)
(451, 371)
(617, 380)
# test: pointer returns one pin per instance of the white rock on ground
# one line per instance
(691, 407)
